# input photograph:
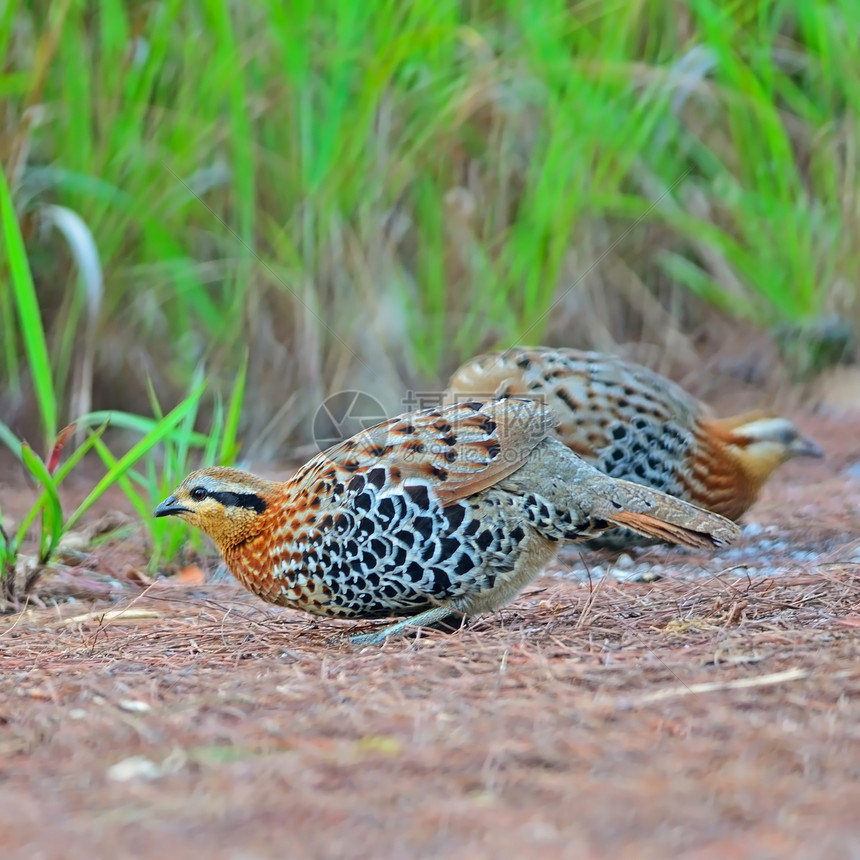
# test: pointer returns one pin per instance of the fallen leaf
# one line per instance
(136, 767)
(134, 706)
(191, 575)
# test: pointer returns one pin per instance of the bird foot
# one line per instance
(430, 618)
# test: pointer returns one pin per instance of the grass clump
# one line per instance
(174, 432)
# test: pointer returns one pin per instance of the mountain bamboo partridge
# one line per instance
(438, 512)
(632, 423)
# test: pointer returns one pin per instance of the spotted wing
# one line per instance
(459, 450)
(623, 418)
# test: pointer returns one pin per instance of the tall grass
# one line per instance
(362, 195)
(174, 431)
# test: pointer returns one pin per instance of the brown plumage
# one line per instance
(632, 423)
(439, 511)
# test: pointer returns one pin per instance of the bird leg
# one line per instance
(422, 619)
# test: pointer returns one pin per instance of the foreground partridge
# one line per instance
(442, 511)
(632, 423)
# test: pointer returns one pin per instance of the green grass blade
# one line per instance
(29, 316)
(52, 524)
(138, 423)
(159, 433)
(10, 440)
(122, 480)
(229, 447)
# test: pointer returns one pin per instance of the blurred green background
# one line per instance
(363, 195)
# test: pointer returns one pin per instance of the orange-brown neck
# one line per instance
(275, 551)
(732, 468)
(253, 564)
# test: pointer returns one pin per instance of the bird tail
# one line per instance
(588, 502)
(657, 515)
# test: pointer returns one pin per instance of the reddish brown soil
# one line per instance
(714, 713)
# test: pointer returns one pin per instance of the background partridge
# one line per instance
(442, 511)
(632, 423)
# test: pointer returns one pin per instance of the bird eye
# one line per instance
(198, 494)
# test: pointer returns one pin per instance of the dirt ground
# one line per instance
(711, 713)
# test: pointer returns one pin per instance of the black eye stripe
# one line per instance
(240, 500)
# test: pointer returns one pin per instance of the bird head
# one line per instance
(226, 504)
(761, 443)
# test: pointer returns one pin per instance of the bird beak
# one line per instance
(802, 447)
(170, 506)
